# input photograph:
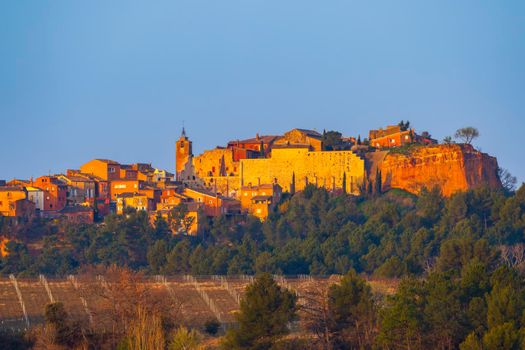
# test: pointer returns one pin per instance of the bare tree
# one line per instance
(126, 305)
(467, 134)
(513, 256)
(316, 315)
(507, 180)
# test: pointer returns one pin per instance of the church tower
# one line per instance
(183, 154)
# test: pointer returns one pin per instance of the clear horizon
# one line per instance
(116, 80)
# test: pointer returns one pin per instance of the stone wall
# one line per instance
(325, 169)
(215, 162)
(226, 185)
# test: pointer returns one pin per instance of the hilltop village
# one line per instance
(249, 176)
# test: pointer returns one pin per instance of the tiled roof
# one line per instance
(108, 161)
(76, 209)
(309, 132)
(11, 188)
(265, 139)
(261, 198)
(130, 194)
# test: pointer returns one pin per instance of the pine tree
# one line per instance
(351, 313)
(265, 312)
(292, 185)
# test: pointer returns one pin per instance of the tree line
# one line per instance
(313, 232)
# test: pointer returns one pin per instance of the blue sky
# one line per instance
(115, 79)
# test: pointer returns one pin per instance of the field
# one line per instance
(196, 298)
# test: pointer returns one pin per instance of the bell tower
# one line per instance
(183, 154)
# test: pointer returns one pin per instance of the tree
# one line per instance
(179, 220)
(504, 336)
(332, 140)
(212, 326)
(467, 134)
(351, 313)
(316, 315)
(59, 332)
(265, 312)
(402, 321)
(185, 339)
(507, 180)
(157, 254)
(448, 140)
(404, 125)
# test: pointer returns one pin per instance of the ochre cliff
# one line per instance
(451, 167)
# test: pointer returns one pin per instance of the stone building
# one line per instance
(14, 202)
(134, 200)
(183, 155)
(257, 147)
(260, 200)
(55, 192)
(105, 169)
(294, 168)
(396, 136)
(301, 138)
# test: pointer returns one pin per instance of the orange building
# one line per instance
(80, 189)
(137, 201)
(259, 146)
(391, 136)
(124, 186)
(14, 202)
(103, 168)
(55, 192)
(151, 192)
(78, 214)
(213, 204)
(171, 201)
(127, 172)
(183, 154)
(260, 200)
(395, 136)
(301, 138)
(101, 201)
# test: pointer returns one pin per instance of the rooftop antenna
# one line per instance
(183, 131)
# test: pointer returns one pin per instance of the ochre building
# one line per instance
(294, 168)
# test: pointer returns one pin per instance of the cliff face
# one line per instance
(451, 167)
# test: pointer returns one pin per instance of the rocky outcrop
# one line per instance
(451, 167)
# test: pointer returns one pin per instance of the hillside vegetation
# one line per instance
(313, 232)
